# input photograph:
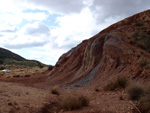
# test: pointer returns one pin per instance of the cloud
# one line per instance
(25, 45)
(30, 24)
(59, 6)
(8, 30)
(104, 9)
(31, 35)
(36, 29)
(73, 29)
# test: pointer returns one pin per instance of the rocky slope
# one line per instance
(123, 49)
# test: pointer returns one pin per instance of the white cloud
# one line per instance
(74, 28)
(31, 35)
(22, 24)
(34, 16)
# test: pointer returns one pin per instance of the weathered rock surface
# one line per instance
(112, 52)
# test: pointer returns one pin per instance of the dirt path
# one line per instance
(16, 98)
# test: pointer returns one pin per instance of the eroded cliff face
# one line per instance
(113, 52)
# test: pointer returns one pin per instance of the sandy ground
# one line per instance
(15, 98)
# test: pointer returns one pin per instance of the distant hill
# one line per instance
(6, 54)
(9, 58)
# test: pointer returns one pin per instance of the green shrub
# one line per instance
(1, 68)
(135, 91)
(74, 102)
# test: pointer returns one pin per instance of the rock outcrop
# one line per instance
(115, 51)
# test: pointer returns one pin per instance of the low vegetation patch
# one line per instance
(144, 63)
(120, 82)
(96, 89)
(141, 38)
(144, 104)
(16, 76)
(27, 75)
(55, 91)
(50, 68)
(1, 68)
(74, 102)
(142, 95)
(135, 91)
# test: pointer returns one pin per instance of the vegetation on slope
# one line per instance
(9, 58)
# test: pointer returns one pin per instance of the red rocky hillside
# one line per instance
(123, 49)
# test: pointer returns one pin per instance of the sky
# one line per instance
(45, 29)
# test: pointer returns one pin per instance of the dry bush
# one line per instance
(120, 82)
(145, 104)
(16, 76)
(74, 102)
(27, 75)
(142, 62)
(135, 91)
(55, 91)
(51, 107)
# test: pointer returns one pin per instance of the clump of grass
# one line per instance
(16, 76)
(51, 107)
(55, 91)
(74, 102)
(96, 90)
(27, 75)
(110, 86)
(120, 82)
(142, 62)
(1, 68)
(145, 104)
(141, 38)
(50, 67)
(135, 91)
(121, 97)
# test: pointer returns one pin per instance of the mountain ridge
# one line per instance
(106, 55)
(9, 58)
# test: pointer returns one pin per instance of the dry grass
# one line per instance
(145, 104)
(74, 102)
(55, 91)
(135, 91)
(120, 82)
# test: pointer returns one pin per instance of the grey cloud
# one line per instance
(26, 45)
(9, 30)
(69, 43)
(113, 8)
(60, 6)
(41, 29)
